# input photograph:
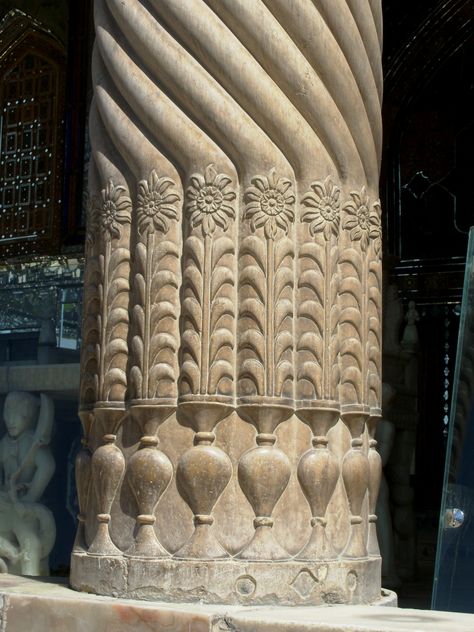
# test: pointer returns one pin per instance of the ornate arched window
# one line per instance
(32, 71)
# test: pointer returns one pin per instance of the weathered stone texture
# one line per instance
(231, 351)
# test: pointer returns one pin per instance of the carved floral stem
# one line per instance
(150, 243)
(103, 333)
(365, 332)
(206, 313)
(270, 387)
(327, 322)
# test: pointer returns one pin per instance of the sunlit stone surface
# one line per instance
(231, 346)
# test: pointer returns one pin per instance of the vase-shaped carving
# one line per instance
(203, 473)
(207, 357)
(264, 472)
(375, 478)
(83, 479)
(317, 352)
(149, 473)
(318, 472)
(265, 349)
(108, 468)
(355, 475)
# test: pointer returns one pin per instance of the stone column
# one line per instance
(231, 347)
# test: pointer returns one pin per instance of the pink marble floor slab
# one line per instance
(39, 605)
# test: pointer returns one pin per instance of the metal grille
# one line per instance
(26, 164)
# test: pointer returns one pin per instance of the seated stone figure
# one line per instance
(27, 528)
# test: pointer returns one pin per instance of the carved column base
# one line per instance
(373, 549)
(319, 547)
(232, 581)
(146, 543)
(356, 547)
(203, 543)
(102, 545)
(263, 545)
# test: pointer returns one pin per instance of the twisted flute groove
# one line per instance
(341, 23)
(301, 21)
(232, 318)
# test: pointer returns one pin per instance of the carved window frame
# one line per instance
(21, 36)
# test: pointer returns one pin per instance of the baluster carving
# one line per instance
(361, 225)
(154, 348)
(111, 213)
(149, 472)
(83, 479)
(207, 353)
(375, 478)
(374, 372)
(317, 349)
(266, 350)
(108, 469)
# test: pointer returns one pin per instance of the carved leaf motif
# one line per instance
(353, 318)
(90, 332)
(252, 303)
(309, 341)
(252, 372)
(311, 373)
(317, 289)
(193, 313)
(266, 284)
(156, 282)
(113, 322)
(253, 278)
(223, 310)
(374, 333)
(221, 338)
(220, 277)
(208, 286)
(254, 341)
(190, 344)
(221, 371)
(314, 312)
(222, 332)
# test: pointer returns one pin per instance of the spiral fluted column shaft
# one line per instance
(231, 339)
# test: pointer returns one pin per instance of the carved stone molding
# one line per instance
(231, 345)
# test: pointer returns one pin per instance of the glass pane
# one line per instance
(454, 572)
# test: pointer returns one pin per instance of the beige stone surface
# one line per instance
(40, 606)
(230, 367)
(48, 378)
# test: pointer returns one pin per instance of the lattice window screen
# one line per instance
(31, 109)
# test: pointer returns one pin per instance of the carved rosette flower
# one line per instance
(156, 204)
(208, 199)
(269, 203)
(114, 210)
(362, 221)
(324, 208)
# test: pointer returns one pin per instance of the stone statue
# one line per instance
(410, 340)
(27, 528)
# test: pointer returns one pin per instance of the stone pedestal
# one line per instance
(50, 607)
(231, 347)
